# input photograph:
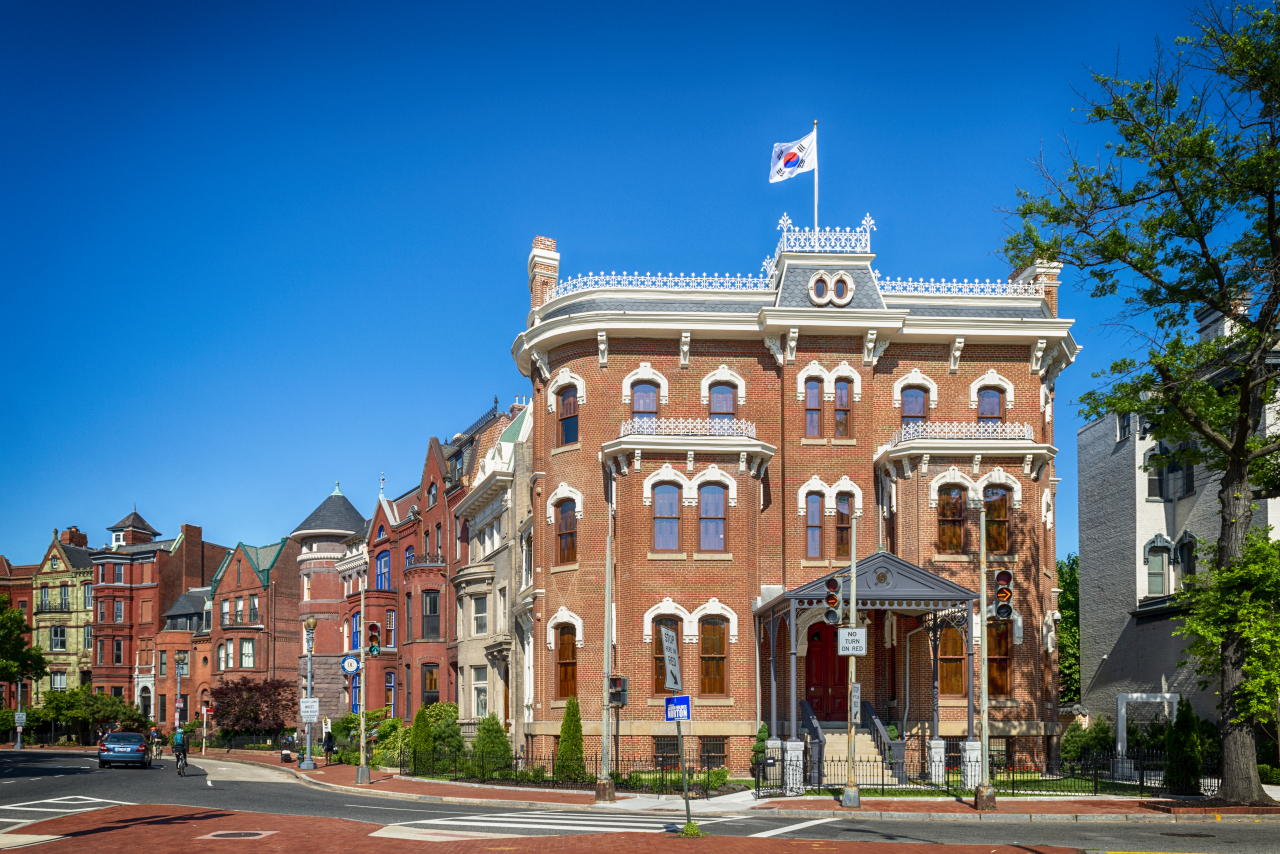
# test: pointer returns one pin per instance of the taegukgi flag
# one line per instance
(792, 158)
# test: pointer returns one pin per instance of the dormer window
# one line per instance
(820, 288)
(382, 532)
(117, 539)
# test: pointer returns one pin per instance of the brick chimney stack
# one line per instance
(73, 536)
(544, 270)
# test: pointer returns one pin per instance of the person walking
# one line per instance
(328, 747)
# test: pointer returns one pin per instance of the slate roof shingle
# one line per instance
(335, 513)
(134, 520)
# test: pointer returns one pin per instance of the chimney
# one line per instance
(72, 536)
(544, 270)
(1046, 274)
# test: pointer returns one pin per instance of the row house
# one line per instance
(62, 587)
(15, 583)
(756, 434)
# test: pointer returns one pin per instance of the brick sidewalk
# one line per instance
(141, 829)
(1021, 806)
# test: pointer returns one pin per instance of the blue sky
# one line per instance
(248, 249)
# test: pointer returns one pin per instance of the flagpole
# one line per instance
(815, 177)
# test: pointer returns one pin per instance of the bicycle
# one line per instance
(182, 763)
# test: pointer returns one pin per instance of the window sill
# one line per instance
(945, 558)
(713, 556)
(568, 567)
(1156, 500)
(844, 442)
(953, 702)
(713, 701)
(807, 441)
(668, 555)
(1002, 558)
(1002, 704)
(655, 701)
(558, 704)
(576, 446)
(815, 563)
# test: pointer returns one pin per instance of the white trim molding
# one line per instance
(999, 477)
(914, 377)
(990, 380)
(1046, 510)
(723, 374)
(714, 474)
(951, 475)
(668, 608)
(841, 371)
(560, 493)
(714, 608)
(830, 298)
(644, 373)
(564, 615)
(829, 493)
(665, 474)
(560, 380)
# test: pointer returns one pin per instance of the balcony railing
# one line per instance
(238, 618)
(965, 288)
(436, 559)
(688, 427)
(671, 281)
(961, 430)
(52, 607)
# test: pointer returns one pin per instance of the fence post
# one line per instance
(1142, 771)
(1094, 763)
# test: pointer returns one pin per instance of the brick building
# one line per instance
(15, 582)
(757, 433)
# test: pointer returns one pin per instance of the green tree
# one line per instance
(570, 764)
(19, 661)
(1182, 752)
(1182, 215)
(1069, 629)
(491, 747)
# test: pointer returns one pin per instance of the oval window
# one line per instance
(820, 288)
(842, 288)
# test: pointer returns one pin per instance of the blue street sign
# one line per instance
(350, 665)
(678, 708)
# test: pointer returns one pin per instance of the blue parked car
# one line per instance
(120, 748)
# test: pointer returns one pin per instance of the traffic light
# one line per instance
(1004, 594)
(832, 614)
(375, 641)
(617, 691)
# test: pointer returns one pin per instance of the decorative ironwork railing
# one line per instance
(687, 427)
(671, 281)
(964, 287)
(961, 430)
(838, 240)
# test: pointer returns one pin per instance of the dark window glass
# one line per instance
(711, 518)
(841, 289)
(566, 662)
(812, 408)
(844, 413)
(951, 663)
(666, 518)
(644, 400)
(408, 556)
(951, 506)
(722, 402)
(820, 288)
(844, 524)
(568, 413)
(990, 406)
(913, 405)
(431, 614)
(713, 643)
(999, 677)
(997, 501)
(813, 526)
(430, 684)
(567, 528)
(1188, 555)
(659, 660)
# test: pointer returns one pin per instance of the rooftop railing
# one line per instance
(669, 281)
(687, 427)
(961, 430)
(957, 287)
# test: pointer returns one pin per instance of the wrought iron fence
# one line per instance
(1140, 773)
(653, 774)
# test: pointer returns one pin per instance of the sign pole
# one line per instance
(985, 797)
(22, 719)
(852, 796)
(362, 773)
(673, 683)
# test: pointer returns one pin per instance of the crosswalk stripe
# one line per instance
(583, 822)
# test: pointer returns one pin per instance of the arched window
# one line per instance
(999, 658)
(382, 580)
(997, 500)
(355, 630)
(713, 643)
(914, 405)
(844, 525)
(951, 504)
(844, 411)
(390, 639)
(408, 556)
(644, 400)
(382, 532)
(990, 406)
(722, 402)
(567, 529)
(566, 661)
(390, 696)
(813, 408)
(813, 525)
(666, 518)
(711, 518)
(431, 495)
(568, 415)
(222, 656)
(659, 660)
(951, 663)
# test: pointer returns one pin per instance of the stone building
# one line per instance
(758, 432)
(62, 587)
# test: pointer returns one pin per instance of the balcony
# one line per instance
(52, 607)
(671, 281)
(435, 560)
(688, 427)
(961, 430)
(640, 436)
(238, 618)
(965, 439)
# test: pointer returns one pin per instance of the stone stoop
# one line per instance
(864, 746)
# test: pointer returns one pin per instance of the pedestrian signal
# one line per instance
(1004, 594)
(617, 691)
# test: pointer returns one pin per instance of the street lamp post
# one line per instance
(17, 745)
(310, 625)
(362, 773)
(179, 659)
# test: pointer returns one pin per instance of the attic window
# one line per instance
(117, 539)
(382, 532)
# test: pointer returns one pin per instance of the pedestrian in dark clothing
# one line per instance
(328, 748)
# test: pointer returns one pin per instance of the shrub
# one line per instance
(691, 831)
(717, 778)
(1269, 776)
(570, 764)
(758, 749)
(492, 748)
(1182, 752)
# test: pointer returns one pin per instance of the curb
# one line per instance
(1024, 818)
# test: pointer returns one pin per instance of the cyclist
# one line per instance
(180, 749)
(157, 742)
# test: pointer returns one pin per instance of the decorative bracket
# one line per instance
(637, 461)
(881, 346)
(793, 338)
(868, 348)
(977, 461)
(1026, 464)
(956, 347)
(684, 348)
(602, 344)
(1037, 355)
(688, 465)
(924, 464)
(540, 362)
(742, 461)
(774, 343)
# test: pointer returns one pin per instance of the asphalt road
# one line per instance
(41, 784)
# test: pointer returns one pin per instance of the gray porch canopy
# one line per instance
(885, 583)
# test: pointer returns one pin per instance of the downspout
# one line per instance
(906, 709)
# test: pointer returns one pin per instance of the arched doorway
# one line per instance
(144, 700)
(826, 675)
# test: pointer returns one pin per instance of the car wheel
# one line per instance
(101, 764)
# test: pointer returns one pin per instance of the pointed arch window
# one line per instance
(812, 408)
(567, 532)
(914, 406)
(644, 401)
(990, 406)
(723, 403)
(566, 661)
(951, 505)
(844, 409)
(844, 525)
(666, 518)
(713, 643)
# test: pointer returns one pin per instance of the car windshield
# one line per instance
(125, 737)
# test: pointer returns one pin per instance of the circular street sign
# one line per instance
(350, 665)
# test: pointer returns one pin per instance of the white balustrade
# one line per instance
(687, 427)
(960, 430)
(671, 281)
(955, 287)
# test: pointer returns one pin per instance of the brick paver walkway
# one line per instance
(163, 830)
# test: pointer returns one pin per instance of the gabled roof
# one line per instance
(134, 520)
(887, 582)
(336, 514)
(79, 558)
(262, 559)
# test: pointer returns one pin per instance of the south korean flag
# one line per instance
(792, 158)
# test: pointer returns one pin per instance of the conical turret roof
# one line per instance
(335, 515)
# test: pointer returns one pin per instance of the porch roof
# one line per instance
(885, 583)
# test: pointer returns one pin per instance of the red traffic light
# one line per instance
(1004, 578)
(833, 585)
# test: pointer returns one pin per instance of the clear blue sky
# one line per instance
(248, 249)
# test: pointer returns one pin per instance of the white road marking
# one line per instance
(582, 822)
(790, 827)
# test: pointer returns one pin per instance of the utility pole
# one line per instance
(852, 795)
(985, 796)
(362, 773)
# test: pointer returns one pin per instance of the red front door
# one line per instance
(826, 675)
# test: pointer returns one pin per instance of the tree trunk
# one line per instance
(1240, 782)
